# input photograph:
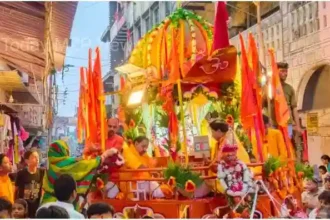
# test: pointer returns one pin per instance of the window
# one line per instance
(167, 8)
(278, 44)
(310, 11)
(272, 33)
(278, 29)
(155, 15)
(147, 25)
(325, 21)
(324, 4)
(134, 11)
(137, 32)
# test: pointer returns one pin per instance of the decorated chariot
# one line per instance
(181, 77)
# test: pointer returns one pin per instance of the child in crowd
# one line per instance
(52, 212)
(326, 162)
(6, 186)
(323, 210)
(100, 210)
(323, 173)
(326, 185)
(29, 182)
(20, 209)
(5, 208)
(310, 195)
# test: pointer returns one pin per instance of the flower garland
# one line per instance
(198, 90)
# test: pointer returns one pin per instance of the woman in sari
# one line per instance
(81, 170)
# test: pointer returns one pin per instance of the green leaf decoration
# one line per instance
(307, 170)
(182, 175)
(272, 164)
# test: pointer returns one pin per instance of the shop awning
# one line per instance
(22, 34)
(11, 82)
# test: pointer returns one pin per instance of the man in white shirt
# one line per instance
(65, 190)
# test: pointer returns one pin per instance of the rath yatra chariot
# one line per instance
(179, 76)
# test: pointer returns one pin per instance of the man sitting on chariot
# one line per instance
(136, 157)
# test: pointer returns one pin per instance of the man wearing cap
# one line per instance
(291, 100)
(310, 196)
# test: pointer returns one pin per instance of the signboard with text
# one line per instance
(312, 123)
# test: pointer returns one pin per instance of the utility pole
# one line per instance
(263, 58)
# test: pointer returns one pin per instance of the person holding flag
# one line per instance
(291, 101)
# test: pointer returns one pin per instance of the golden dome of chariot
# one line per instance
(181, 39)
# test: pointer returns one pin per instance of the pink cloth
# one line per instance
(23, 134)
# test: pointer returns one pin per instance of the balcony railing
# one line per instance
(117, 25)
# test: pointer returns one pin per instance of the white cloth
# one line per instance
(6, 126)
(313, 214)
(111, 190)
(144, 187)
(67, 206)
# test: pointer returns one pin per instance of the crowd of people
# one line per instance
(27, 194)
(316, 195)
(35, 192)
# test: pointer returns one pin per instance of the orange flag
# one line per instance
(253, 58)
(248, 100)
(98, 87)
(282, 112)
(81, 124)
(91, 104)
(122, 84)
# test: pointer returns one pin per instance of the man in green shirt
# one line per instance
(290, 97)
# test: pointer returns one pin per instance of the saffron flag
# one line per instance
(248, 99)
(253, 58)
(81, 124)
(282, 113)
(91, 102)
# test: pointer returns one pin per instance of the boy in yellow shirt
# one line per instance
(6, 186)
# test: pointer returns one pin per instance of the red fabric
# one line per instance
(221, 37)
(115, 141)
(128, 35)
(305, 150)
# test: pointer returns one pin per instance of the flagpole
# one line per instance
(263, 57)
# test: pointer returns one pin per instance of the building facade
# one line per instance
(298, 31)
(300, 34)
(128, 22)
